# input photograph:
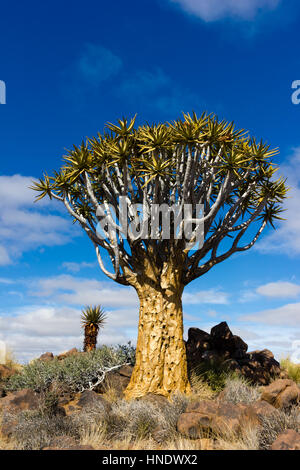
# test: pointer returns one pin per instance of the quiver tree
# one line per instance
(92, 319)
(189, 162)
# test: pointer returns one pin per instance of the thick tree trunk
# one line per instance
(161, 365)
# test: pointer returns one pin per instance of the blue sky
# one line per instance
(69, 67)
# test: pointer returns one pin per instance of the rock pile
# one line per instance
(225, 348)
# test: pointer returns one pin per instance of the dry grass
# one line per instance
(292, 369)
(248, 439)
(238, 390)
(200, 388)
(111, 395)
(277, 423)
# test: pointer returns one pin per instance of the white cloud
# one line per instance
(247, 296)
(212, 10)
(211, 296)
(4, 280)
(286, 239)
(286, 315)
(25, 226)
(80, 291)
(4, 256)
(76, 267)
(279, 289)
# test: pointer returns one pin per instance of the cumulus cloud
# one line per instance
(80, 291)
(24, 226)
(210, 296)
(279, 289)
(213, 10)
(286, 315)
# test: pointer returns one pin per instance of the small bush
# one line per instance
(75, 371)
(201, 388)
(131, 421)
(213, 373)
(35, 429)
(292, 369)
(238, 390)
(135, 419)
(275, 424)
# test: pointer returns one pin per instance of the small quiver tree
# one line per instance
(92, 319)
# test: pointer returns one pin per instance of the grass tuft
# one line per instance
(292, 369)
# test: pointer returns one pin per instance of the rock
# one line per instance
(287, 440)
(191, 425)
(89, 398)
(117, 380)
(65, 354)
(14, 403)
(230, 351)
(220, 418)
(210, 417)
(237, 347)
(288, 398)
(6, 372)
(125, 371)
(254, 413)
(231, 365)
(159, 401)
(282, 393)
(211, 356)
(255, 373)
(21, 400)
(48, 356)
(220, 335)
(85, 401)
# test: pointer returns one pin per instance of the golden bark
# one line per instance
(90, 337)
(161, 365)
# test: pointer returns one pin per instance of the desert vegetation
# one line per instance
(76, 401)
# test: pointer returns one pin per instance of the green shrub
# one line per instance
(75, 372)
(292, 369)
(213, 373)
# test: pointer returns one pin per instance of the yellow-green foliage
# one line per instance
(11, 362)
(292, 369)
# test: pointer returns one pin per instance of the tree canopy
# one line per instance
(193, 160)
